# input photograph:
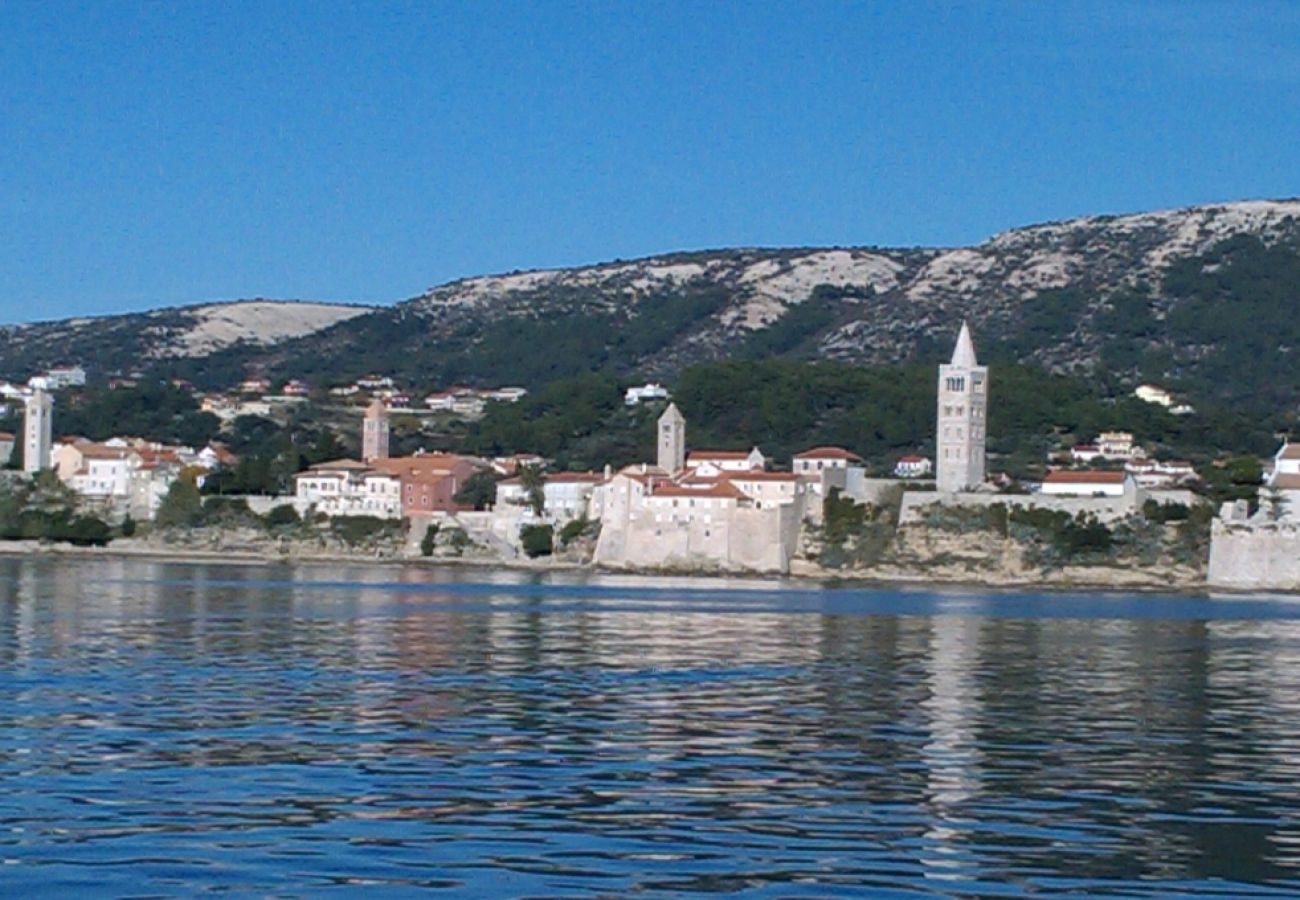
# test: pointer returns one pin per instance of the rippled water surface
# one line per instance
(166, 729)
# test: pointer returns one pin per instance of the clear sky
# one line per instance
(159, 153)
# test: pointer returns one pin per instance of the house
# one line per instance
(565, 495)
(913, 466)
(645, 393)
(1076, 483)
(216, 456)
(429, 482)
(374, 382)
(709, 463)
(1117, 445)
(818, 459)
(1084, 453)
(506, 394)
(1150, 473)
(1151, 393)
(510, 465)
(346, 390)
(348, 488)
(440, 401)
(295, 388)
(767, 489)
(65, 376)
(255, 384)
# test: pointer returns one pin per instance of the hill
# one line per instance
(1200, 300)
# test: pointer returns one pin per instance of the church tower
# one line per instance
(374, 432)
(672, 440)
(962, 411)
(37, 429)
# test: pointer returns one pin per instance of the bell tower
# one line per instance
(672, 440)
(961, 413)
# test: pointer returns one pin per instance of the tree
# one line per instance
(533, 480)
(1278, 502)
(182, 507)
(537, 540)
(479, 490)
(429, 540)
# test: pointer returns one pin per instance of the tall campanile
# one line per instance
(962, 412)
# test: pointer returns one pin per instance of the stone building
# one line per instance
(37, 431)
(672, 440)
(374, 432)
(962, 412)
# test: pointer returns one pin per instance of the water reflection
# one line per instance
(171, 727)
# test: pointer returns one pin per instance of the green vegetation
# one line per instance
(854, 534)
(579, 528)
(155, 411)
(46, 510)
(537, 540)
(430, 539)
(182, 507)
(357, 530)
(479, 491)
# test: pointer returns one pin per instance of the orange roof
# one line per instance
(719, 454)
(759, 476)
(1074, 476)
(1286, 481)
(827, 453)
(719, 489)
(6, 436)
(911, 458)
(1290, 451)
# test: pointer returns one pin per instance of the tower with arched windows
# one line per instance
(962, 413)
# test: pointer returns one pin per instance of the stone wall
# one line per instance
(1106, 509)
(1255, 556)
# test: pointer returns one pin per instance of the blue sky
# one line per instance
(163, 153)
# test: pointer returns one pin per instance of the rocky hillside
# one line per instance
(138, 340)
(1200, 299)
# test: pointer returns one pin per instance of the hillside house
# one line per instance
(1077, 483)
(913, 466)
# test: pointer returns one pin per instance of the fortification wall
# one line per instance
(1106, 509)
(1255, 556)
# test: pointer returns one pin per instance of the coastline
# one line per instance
(829, 579)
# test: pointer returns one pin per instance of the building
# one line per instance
(913, 466)
(962, 413)
(671, 455)
(1151, 473)
(1117, 445)
(61, 377)
(1151, 393)
(1076, 483)
(254, 384)
(37, 432)
(346, 487)
(1084, 453)
(706, 510)
(819, 459)
(374, 432)
(565, 495)
(646, 393)
(6, 448)
(710, 463)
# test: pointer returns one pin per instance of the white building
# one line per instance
(37, 431)
(1117, 445)
(961, 410)
(61, 377)
(711, 463)
(913, 466)
(565, 495)
(1151, 473)
(348, 488)
(819, 459)
(645, 393)
(1076, 483)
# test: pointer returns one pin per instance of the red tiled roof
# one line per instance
(1285, 481)
(911, 458)
(718, 454)
(717, 489)
(828, 453)
(759, 476)
(1290, 451)
(1070, 476)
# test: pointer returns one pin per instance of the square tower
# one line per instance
(37, 430)
(962, 412)
(374, 432)
(672, 440)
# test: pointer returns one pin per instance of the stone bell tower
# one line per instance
(374, 432)
(962, 412)
(672, 440)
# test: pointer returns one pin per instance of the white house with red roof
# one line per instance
(1085, 483)
(819, 459)
(714, 462)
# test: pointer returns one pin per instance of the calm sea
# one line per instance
(167, 729)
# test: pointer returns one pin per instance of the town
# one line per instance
(688, 509)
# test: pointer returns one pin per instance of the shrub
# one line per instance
(128, 527)
(577, 528)
(181, 508)
(429, 540)
(537, 540)
(353, 530)
(282, 515)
